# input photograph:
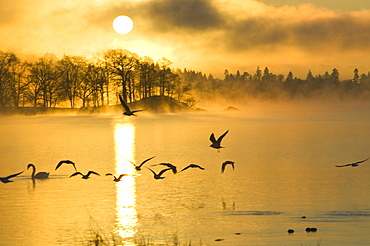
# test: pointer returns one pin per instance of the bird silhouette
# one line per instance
(159, 175)
(217, 143)
(173, 167)
(6, 179)
(116, 179)
(354, 164)
(66, 162)
(39, 175)
(138, 167)
(128, 111)
(225, 164)
(192, 166)
(85, 176)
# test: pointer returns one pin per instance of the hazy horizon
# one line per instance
(203, 35)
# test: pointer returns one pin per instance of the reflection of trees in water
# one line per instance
(76, 81)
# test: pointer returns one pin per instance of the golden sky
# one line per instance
(204, 35)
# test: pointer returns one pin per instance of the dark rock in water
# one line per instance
(219, 239)
(313, 229)
(303, 217)
(231, 108)
(290, 231)
(237, 233)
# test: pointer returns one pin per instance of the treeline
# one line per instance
(74, 81)
(264, 85)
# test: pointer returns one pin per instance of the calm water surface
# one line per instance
(284, 169)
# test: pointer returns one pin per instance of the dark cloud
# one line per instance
(188, 14)
(163, 16)
(340, 32)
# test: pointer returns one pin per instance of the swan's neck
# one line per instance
(33, 171)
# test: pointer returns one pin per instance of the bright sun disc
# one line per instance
(123, 24)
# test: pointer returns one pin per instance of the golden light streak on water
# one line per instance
(126, 215)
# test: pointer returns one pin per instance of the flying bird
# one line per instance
(225, 164)
(354, 164)
(116, 179)
(192, 166)
(172, 167)
(217, 143)
(6, 179)
(39, 175)
(138, 167)
(85, 176)
(159, 175)
(128, 111)
(66, 162)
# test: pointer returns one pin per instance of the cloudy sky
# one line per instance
(204, 35)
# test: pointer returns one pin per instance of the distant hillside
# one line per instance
(160, 104)
(153, 104)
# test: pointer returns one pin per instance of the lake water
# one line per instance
(284, 169)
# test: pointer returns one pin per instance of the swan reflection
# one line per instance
(126, 215)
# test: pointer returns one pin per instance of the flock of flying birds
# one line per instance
(216, 144)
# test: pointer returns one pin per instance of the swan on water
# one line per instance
(39, 175)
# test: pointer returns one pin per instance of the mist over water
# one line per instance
(285, 157)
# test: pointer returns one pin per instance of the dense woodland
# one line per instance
(74, 81)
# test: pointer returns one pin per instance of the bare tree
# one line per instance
(73, 72)
(7, 60)
(122, 64)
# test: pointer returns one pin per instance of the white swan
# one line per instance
(39, 175)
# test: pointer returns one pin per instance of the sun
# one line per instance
(123, 24)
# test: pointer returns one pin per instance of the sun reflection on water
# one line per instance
(126, 215)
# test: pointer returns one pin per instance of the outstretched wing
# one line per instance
(120, 176)
(222, 136)
(152, 171)
(346, 165)
(65, 162)
(223, 167)
(127, 109)
(192, 166)
(212, 138)
(195, 165)
(185, 168)
(13, 175)
(138, 110)
(361, 161)
(173, 167)
(146, 161)
(92, 172)
(163, 171)
(76, 173)
(352, 164)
